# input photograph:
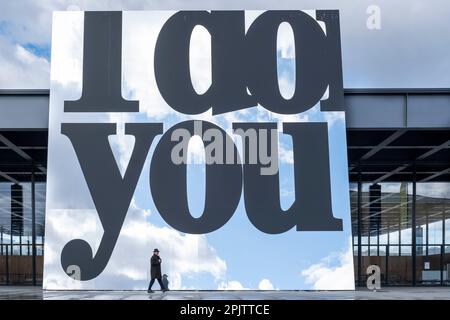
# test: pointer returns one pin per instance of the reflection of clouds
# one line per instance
(334, 272)
(425, 189)
(61, 227)
(181, 254)
(285, 154)
(265, 284)
(122, 145)
(139, 81)
(388, 187)
(231, 285)
(434, 189)
(67, 53)
(185, 253)
(285, 41)
(287, 86)
(200, 59)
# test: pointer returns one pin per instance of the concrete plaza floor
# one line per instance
(388, 293)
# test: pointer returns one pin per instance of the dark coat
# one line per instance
(155, 269)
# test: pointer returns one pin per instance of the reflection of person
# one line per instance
(155, 271)
(165, 281)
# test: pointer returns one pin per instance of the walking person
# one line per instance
(155, 271)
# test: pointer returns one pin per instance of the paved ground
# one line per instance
(35, 293)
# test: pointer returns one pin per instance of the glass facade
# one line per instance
(23, 157)
(21, 254)
(387, 217)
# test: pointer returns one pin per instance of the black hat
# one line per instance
(155, 250)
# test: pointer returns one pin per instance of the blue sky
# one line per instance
(42, 51)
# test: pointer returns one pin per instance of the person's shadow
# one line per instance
(165, 281)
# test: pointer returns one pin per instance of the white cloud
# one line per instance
(138, 74)
(122, 144)
(286, 86)
(67, 51)
(231, 285)
(188, 253)
(183, 255)
(285, 154)
(200, 59)
(434, 189)
(20, 68)
(365, 65)
(265, 284)
(285, 41)
(427, 189)
(334, 272)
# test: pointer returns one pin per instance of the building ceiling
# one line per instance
(391, 155)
